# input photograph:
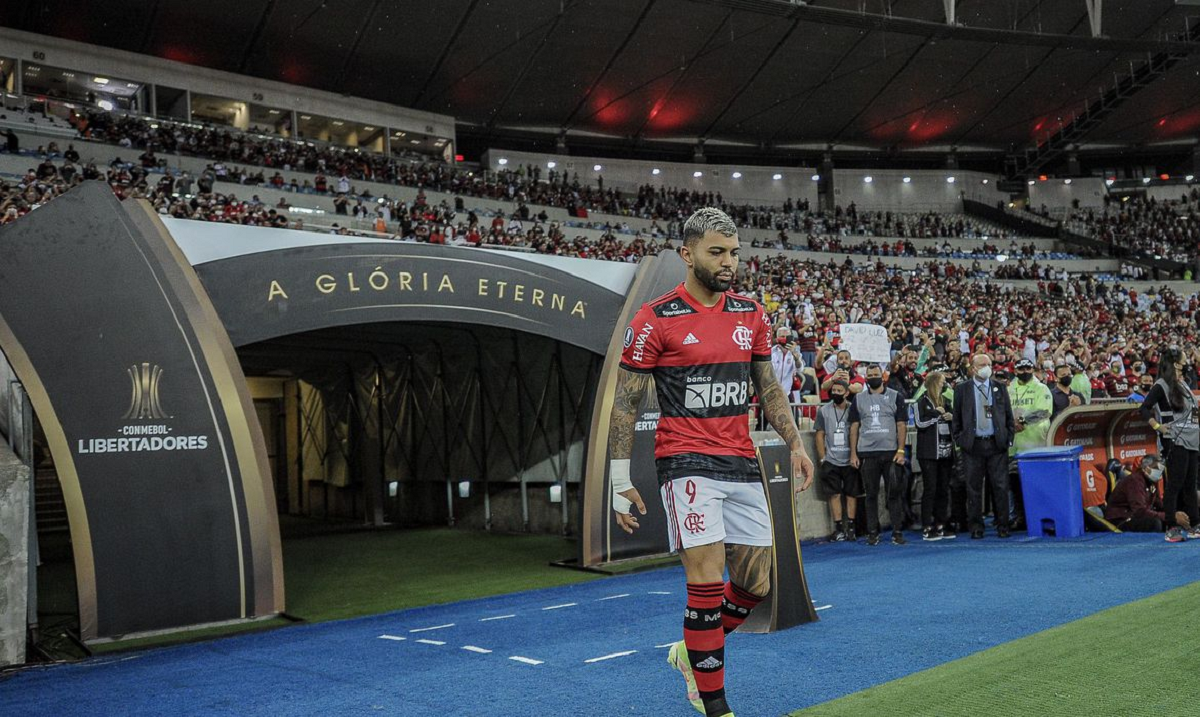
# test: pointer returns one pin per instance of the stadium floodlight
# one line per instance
(556, 493)
(1031, 182)
(737, 175)
(1110, 181)
(100, 80)
(105, 105)
(1002, 257)
(777, 177)
(868, 179)
(949, 180)
(1189, 178)
(697, 174)
(656, 171)
(907, 180)
(551, 165)
(596, 168)
(502, 161)
(393, 488)
(983, 181)
(1067, 180)
(1145, 180)
(816, 177)
(464, 489)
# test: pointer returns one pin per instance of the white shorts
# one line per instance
(701, 511)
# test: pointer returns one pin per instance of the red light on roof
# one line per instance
(458, 158)
(1164, 177)
(1042, 177)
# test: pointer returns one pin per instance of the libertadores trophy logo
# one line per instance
(146, 379)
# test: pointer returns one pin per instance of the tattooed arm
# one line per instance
(631, 387)
(775, 407)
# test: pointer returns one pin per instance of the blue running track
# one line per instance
(598, 648)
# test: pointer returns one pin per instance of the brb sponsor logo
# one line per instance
(145, 404)
(703, 392)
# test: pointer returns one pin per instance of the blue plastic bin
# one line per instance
(1053, 495)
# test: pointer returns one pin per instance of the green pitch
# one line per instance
(1135, 659)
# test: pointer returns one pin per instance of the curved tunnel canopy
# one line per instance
(268, 283)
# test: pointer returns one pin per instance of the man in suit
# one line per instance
(983, 428)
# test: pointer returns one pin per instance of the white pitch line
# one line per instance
(823, 607)
(557, 607)
(657, 592)
(659, 647)
(480, 650)
(397, 638)
(435, 627)
(609, 657)
(498, 617)
(613, 597)
(525, 660)
(431, 642)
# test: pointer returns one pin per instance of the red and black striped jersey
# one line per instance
(700, 358)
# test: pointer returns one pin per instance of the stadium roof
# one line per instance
(872, 73)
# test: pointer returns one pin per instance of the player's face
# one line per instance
(713, 260)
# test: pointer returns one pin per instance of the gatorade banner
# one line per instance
(1087, 427)
(1131, 438)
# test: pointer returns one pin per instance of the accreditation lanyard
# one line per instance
(839, 428)
(987, 401)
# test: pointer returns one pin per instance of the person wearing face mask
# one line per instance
(1145, 382)
(785, 359)
(1032, 407)
(1064, 396)
(1135, 505)
(878, 429)
(984, 429)
(1171, 410)
(839, 479)
(935, 451)
(843, 369)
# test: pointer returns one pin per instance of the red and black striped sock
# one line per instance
(736, 607)
(704, 638)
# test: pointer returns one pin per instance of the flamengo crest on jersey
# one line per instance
(701, 361)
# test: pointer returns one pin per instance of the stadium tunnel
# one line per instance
(425, 424)
(394, 384)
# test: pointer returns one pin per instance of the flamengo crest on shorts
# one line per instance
(700, 357)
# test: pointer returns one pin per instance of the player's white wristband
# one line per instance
(619, 472)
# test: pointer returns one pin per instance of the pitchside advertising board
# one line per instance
(146, 415)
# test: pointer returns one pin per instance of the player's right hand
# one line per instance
(627, 521)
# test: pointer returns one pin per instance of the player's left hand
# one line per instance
(627, 521)
(802, 467)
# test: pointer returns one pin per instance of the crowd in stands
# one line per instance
(1145, 226)
(334, 168)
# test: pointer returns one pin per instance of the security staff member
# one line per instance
(983, 429)
(1173, 413)
(878, 429)
(838, 477)
(1032, 406)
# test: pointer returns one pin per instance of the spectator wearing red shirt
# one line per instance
(1136, 503)
(1116, 383)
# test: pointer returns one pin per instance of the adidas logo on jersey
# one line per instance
(708, 663)
(691, 339)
